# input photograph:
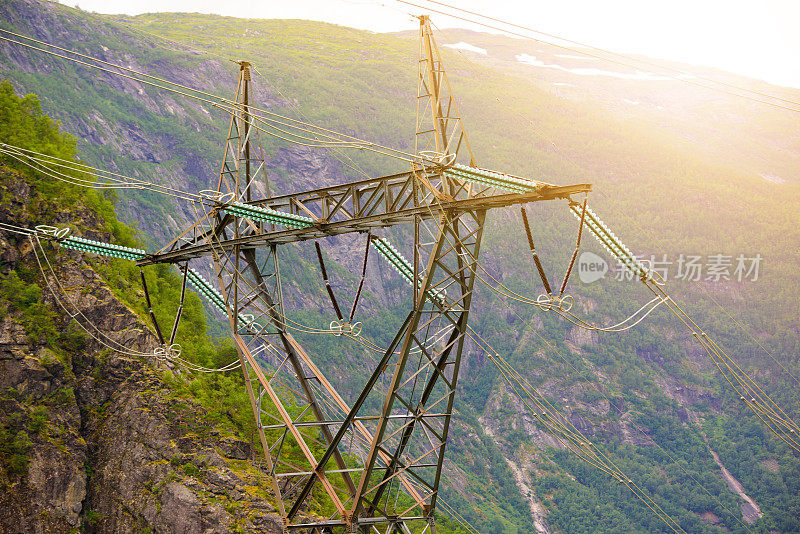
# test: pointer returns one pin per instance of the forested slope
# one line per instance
(685, 182)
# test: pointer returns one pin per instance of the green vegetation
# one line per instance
(659, 193)
(14, 446)
(222, 395)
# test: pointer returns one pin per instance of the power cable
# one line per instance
(660, 301)
(748, 332)
(575, 441)
(49, 166)
(36, 243)
(637, 427)
(639, 227)
(616, 54)
(583, 52)
(271, 120)
(567, 434)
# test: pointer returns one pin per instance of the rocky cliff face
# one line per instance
(95, 439)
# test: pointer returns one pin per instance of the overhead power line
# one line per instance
(274, 124)
(72, 172)
(595, 52)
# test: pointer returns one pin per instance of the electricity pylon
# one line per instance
(375, 462)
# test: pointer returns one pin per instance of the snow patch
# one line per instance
(468, 47)
(638, 75)
(772, 178)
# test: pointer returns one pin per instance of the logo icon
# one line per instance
(591, 267)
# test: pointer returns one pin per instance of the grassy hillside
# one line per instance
(682, 184)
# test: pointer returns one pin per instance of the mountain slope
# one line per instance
(96, 434)
(695, 192)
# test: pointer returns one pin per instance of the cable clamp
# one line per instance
(345, 328)
(217, 196)
(250, 324)
(52, 231)
(445, 159)
(549, 302)
(168, 353)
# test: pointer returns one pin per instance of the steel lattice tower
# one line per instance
(373, 464)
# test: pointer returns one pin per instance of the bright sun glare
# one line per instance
(756, 38)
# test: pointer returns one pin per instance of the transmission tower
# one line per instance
(373, 464)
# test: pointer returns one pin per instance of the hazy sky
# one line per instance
(759, 38)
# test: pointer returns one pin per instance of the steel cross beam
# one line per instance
(357, 207)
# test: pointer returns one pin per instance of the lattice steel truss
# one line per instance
(373, 464)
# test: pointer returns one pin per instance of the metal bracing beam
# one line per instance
(292, 347)
(446, 263)
(304, 370)
(351, 416)
(243, 293)
(232, 287)
(377, 215)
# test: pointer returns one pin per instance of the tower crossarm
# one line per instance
(354, 207)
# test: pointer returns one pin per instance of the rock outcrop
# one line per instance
(93, 437)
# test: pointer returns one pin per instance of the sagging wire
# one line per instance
(167, 352)
(37, 247)
(574, 441)
(786, 429)
(278, 317)
(50, 165)
(570, 438)
(275, 121)
(231, 109)
(619, 476)
(746, 388)
(141, 81)
(119, 348)
(656, 284)
(600, 462)
(557, 304)
(654, 303)
(637, 427)
(219, 261)
(561, 304)
(750, 335)
(283, 320)
(195, 368)
(750, 392)
(564, 431)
